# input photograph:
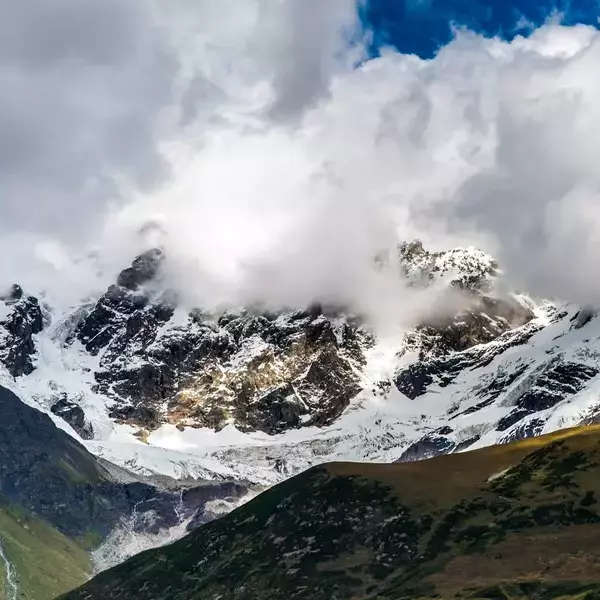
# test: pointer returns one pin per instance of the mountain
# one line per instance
(174, 398)
(156, 370)
(58, 503)
(255, 395)
(511, 521)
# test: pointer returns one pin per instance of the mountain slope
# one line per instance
(251, 393)
(37, 561)
(256, 395)
(519, 520)
(58, 502)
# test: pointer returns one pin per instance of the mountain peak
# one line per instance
(467, 268)
(143, 269)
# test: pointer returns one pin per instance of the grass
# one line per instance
(46, 562)
(458, 474)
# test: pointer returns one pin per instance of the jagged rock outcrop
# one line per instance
(470, 312)
(464, 268)
(414, 380)
(481, 326)
(20, 319)
(74, 415)
(143, 270)
(427, 447)
(483, 320)
(260, 370)
(555, 381)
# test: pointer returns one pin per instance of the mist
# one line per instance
(272, 159)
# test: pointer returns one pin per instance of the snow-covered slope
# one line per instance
(258, 396)
(534, 379)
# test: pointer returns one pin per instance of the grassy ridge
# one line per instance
(513, 521)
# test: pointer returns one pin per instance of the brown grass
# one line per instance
(442, 481)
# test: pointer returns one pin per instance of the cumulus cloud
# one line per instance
(243, 137)
(92, 90)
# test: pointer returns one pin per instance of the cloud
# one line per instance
(92, 90)
(83, 85)
(242, 137)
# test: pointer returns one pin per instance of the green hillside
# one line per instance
(38, 561)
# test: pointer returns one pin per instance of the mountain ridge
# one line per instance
(160, 389)
(246, 398)
(384, 531)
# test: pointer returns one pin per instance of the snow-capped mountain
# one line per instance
(257, 396)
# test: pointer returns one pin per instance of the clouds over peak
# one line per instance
(271, 167)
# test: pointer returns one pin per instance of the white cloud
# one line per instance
(288, 169)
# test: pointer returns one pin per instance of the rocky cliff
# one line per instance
(254, 394)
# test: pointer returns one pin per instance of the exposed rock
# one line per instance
(470, 317)
(20, 319)
(583, 317)
(549, 386)
(484, 320)
(427, 447)
(281, 373)
(74, 415)
(435, 444)
(196, 370)
(143, 269)
(414, 380)
(465, 444)
(531, 428)
(201, 496)
(278, 410)
(464, 268)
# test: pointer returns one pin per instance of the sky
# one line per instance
(273, 147)
(423, 26)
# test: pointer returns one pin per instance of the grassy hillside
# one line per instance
(514, 521)
(42, 562)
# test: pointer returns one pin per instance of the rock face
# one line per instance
(465, 268)
(471, 312)
(462, 338)
(74, 415)
(484, 366)
(20, 319)
(258, 370)
(143, 269)
(427, 447)
(261, 371)
(265, 371)
(442, 370)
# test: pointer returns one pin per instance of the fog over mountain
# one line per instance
(272, 157)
